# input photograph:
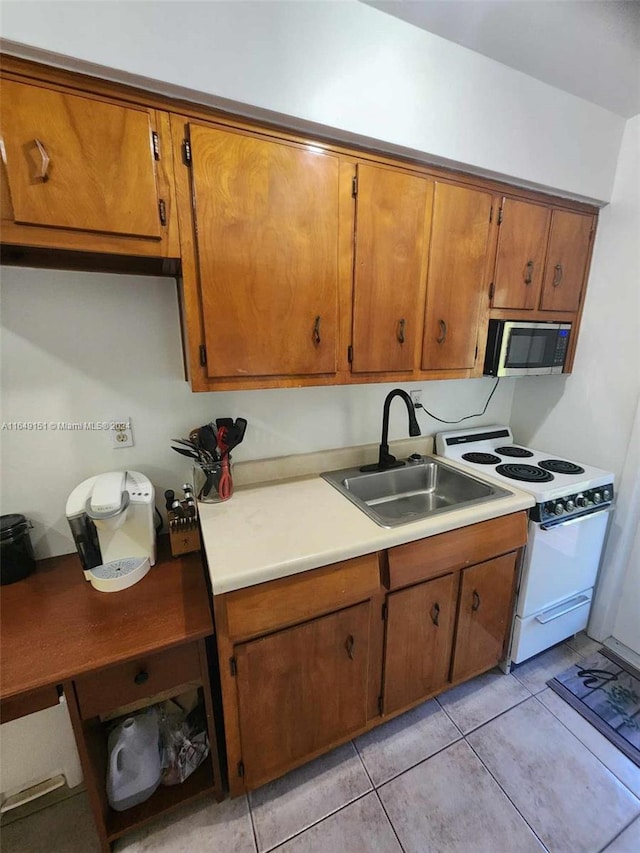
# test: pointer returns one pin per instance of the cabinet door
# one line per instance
(567, 259)
(267, 240)
(420, 622)
(78, 163)
(457, 259)
(392, 219)
(301, 689)
(522, 242)
(486, 604)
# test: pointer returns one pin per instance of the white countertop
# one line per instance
(274, 530)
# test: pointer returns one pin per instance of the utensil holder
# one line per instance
(213, 483)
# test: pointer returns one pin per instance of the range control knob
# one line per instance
(597, 498)
(582, 501)
(606, 494)
(570, 505)
(558, 508)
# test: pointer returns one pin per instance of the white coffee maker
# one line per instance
(112, 518)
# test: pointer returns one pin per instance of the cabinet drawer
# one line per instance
(428, 558)
(276, 604)
(101, 692)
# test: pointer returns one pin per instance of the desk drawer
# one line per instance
(103, 691)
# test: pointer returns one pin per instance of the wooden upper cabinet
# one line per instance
(457, 270)
(75, 162)
(267, 251)
(522, 243)
(301, 689)
(567, 258)
(420, 623)
(484, 616)
(393, 210)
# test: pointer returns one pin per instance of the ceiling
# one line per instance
(588, 48)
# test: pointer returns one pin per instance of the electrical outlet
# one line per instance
(416, 397)
(121, 432)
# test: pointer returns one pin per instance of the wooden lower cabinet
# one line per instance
(309, 661)
(486, 601)
(420, 624)
(300, 689)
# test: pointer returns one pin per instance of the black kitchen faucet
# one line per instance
(385, 459)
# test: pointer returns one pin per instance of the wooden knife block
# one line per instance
(184, 534)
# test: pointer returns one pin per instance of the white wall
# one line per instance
(91, 347)
(624, 548)
(342, 65)
(590, 414)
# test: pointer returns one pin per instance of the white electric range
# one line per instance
(567, 530)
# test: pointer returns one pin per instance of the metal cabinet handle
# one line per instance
(350, 643)
(141, 677)
(443, 332)
(476, 601)
(557, 278)
(400, 332)
(316, 331)
(435, 614)
(528, 272)
(44, 165)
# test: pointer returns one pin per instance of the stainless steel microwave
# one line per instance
(517, 348)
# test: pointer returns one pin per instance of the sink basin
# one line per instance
(413, 492)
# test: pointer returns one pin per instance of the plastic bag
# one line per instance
(184, 741)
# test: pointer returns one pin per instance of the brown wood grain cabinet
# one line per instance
(486, 601)
(82, 172)
(300, 261)
(522, 244)
(542, 257)
(419, 638)
(393, 212)
(311, 660)
(567, 258)
(267, 253)
(456, 285)
(300, 689)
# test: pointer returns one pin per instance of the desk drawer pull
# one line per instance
(141, 677)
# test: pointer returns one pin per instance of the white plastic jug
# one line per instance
(135, 768)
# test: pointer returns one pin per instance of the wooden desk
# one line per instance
(55, 629)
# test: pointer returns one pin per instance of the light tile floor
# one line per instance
(500, 764)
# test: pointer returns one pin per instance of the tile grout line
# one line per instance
(448, 715)
(316, 823)
(564, 725)
(624, 829)
(253, 825)
(324, 817)
(526, 822)
(386, 814)
(375, 791)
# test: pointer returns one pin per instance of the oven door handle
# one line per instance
(551, 525)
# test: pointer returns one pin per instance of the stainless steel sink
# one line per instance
(412, 492)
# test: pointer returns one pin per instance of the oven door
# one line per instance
(562, 560)
(533, 348)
